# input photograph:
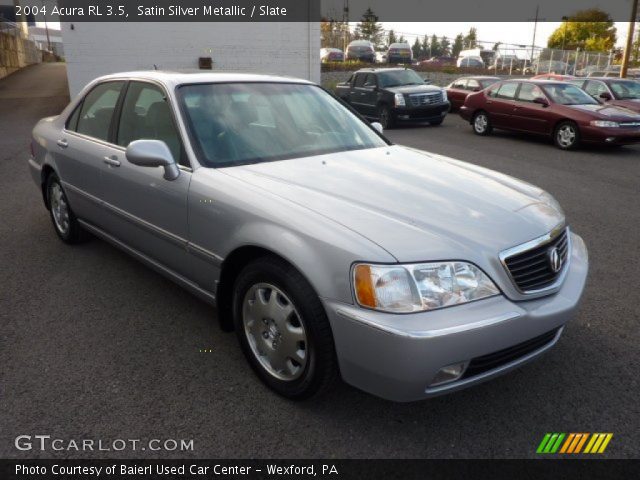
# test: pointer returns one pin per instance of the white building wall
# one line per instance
(100, 48)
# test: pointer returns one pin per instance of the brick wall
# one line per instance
(95, 49)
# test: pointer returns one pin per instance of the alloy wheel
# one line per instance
(59, 208)
(480, 123)
(566, 136)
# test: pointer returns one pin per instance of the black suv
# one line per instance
(391, 95)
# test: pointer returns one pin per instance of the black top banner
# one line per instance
(316, 10)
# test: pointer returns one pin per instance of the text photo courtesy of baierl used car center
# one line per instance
(319, 238)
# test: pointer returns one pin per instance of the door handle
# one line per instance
(112, 161)
(62, 143)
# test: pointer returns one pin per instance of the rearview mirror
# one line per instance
(541, 101)
(153, 153)
(378, 127)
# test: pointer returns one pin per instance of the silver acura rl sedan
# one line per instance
(329, 250)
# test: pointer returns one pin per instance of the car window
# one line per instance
(567, 94)
(72, 121)
(460, 83)
(529, 91)
(472, 84)
(577, 83)
(97, 110)
(507, 91)
(493, 91)
(146, 114)
(370, 81)
(625, 89)
(360, 78)
(594, 88)
(240, 123)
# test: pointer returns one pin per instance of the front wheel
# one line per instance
(283, 329)
(482, 124)
(386, 117)
(566, 136)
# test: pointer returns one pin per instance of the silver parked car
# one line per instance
(329, 250)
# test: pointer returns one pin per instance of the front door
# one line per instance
(527, 115)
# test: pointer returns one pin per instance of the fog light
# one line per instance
(610, 139)
(448, 374)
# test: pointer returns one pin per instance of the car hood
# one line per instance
(408, 89)
(631, 104)
(607, 112)
(417, 206)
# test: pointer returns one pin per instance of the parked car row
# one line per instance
(364, 51)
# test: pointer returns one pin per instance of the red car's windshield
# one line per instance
(567, 94)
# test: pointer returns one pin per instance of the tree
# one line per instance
(471, 38)
(445, 46)
(402, 39)
(391, 37)
(592, 30)
(435, 46)
(369, 28)
(426, 51)
(417, 49)
(458, 45)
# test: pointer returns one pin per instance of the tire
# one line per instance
(435, 123)
(283, 329)
(386, 117)
(566, 135)
(481, 123)
(64, 220)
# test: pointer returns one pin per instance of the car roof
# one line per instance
(377, 70)
(175, 78)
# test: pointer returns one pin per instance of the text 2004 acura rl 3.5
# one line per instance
(330, 251)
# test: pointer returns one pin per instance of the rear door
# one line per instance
(359, 94)
(457, 93)
(501, 105)
(83, 144)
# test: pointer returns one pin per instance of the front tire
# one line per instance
(283, 329)
(64, 220)
(387, 119)
(481, 124)
(566, 136)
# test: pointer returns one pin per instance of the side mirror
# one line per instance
(541, 101)
(605, 96)
(153, 153)
(427, 81)
(378, 127)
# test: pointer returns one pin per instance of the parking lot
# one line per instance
(95, 345)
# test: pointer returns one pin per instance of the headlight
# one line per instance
(419, 287)
(399, 98)
(603, 123)
(444, 95)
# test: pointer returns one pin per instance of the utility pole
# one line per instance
(535, 29)
(629, 45)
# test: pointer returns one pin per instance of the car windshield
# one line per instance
(567, 94)
(487, 82)
(625, 90)
(241, 123)
(396, 78)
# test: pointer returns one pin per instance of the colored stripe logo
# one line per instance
(574, 443)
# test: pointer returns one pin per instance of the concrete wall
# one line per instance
(16, 52)
(95, 49)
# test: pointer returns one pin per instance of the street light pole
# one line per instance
(629, 45)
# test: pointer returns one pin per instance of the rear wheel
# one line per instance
(566, 136)
(283, 329)
(386, 117)
(482, 124)
(64, 221)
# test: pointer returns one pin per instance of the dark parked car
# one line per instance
(459, 89)
(389, 95)
(612, 91)
(557, 109)
(361, 50)
(399, 53)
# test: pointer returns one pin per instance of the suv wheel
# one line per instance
(567, 136)
(283, 329)
(482, 124)
(386, 117)
(64, 221)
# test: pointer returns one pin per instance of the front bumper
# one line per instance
(610, 136)
(421, 114)
(397, 356)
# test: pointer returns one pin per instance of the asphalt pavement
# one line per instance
(94, 345)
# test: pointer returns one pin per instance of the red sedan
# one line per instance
(612, 91)
(460, 88)
(556, 109)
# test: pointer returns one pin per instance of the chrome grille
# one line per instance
(531, 267)
(422, 99)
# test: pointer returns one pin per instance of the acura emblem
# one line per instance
(555, 262)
